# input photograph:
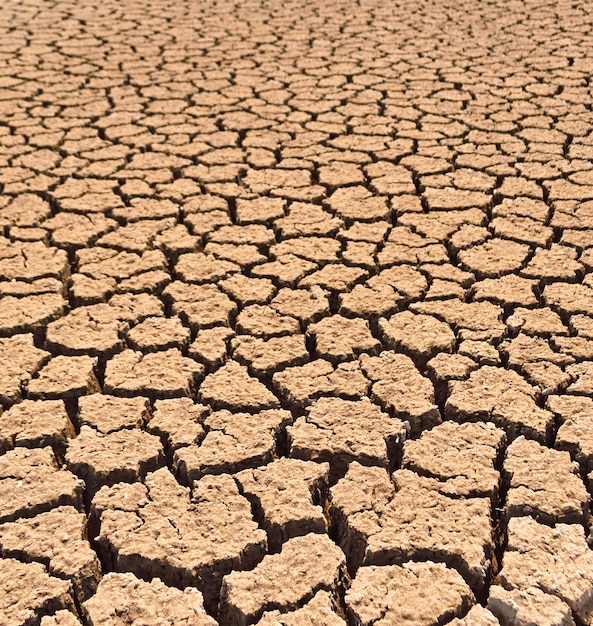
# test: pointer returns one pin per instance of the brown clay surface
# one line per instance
(296, 313)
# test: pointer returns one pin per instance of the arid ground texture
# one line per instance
(296, 312)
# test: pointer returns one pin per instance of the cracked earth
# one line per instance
(296, 313)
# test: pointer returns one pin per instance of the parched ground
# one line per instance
(296, 307)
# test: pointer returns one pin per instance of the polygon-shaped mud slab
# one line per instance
(528, 606)
(509, 290)
(417, 594)
(231, 387)
(99, 262)
(302, 384)
(234, 441)
(247, 290)
(178, 422)
(30, 260)
(420, 336)
(569, 298)
(282, 581)
(27, 592)
(57, 539)
(286, 495)
(337, 431)
(85, 330)
(200, 306)
(271, 355)
(122, 455)
(525, 349)
(334, 277)
(158, 333)
(494, 257)
(65, 377)
(542, 322)
(544, 483)
(381, 523)
(30, 483)
(370, 302)
(197, 267)
(287, 269)
(96, 329)
(357, 203)
(166, 374)
(34, 424)
(135, 601)
(304, 220)
(265, 321)
(320, 610)
(210, 345)
(472, 320)
(320, 250)
(406, 280)
(400, 388)
(338, 338)
(157, 530)
(307, 305)
(109, 413)
(446, 367)
(461, 456)
(556, 560)
(24, 315)
(503, 397)
(20, 361)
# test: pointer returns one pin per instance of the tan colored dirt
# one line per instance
(296, 313)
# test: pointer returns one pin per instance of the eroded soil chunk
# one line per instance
(414, 593)
(399, 387)
(338, 431)
(461, 456)
(123, 455)
(165, 374)
(135, 601)
(30, 483)
(544, 483)
(411, 519)
(34, 424)
(282, 581)
(501, 396)
(320, 610)
(555, 560)
(65, 377)
(158, 529)
(286, 495)
(231, 387)
(301, 385)
(20, 361)
(57, 539)
(27, 592)
(109, 413)
(234, 441)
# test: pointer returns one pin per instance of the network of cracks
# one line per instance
(296, 313)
